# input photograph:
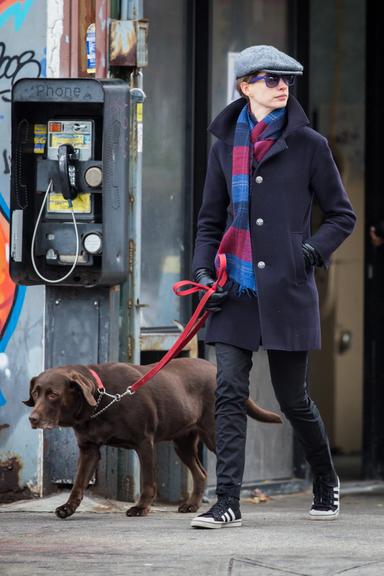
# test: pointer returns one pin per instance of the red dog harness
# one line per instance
(195, 323)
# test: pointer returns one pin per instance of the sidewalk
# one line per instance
(276, 539)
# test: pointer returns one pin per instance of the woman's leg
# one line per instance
(233, 367)
(288, 374)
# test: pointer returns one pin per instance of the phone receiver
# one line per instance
(67, 171)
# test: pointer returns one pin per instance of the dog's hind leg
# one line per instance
(145, 452)
(186, 448)
(208, 437)
(207, 426)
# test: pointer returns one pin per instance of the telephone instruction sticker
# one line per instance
(77, 140)
(57, 203)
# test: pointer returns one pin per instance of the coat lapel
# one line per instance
(279, 146)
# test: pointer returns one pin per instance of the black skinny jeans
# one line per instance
(288, 373)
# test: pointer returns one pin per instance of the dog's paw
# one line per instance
(186, 507)
(64, 511)
(137, 511)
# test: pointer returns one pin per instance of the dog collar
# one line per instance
(100, 385)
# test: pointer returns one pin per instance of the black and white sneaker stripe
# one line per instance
(228, 516)
(326, 500)
(225, 513)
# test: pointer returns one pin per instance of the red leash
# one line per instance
(194, 324)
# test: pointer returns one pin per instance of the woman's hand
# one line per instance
(375, 239)
(311, 255)
(205, 276)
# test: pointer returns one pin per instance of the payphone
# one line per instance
(69, 181)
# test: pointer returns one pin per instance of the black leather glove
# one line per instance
(205, 276)
(379, 229)
(311, 255)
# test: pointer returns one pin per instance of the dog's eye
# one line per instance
(52, 396)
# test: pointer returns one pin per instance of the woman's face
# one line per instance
(262, 98)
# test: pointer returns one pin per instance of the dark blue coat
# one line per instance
(298, 169)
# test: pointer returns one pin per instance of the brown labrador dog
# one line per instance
(177, 404)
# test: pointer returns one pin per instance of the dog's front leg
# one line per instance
(145, 453)
(86, 466)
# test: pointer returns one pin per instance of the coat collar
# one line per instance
(223, 126)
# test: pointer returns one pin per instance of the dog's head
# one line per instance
(58, 397)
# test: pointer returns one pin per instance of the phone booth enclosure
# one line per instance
(87, 120)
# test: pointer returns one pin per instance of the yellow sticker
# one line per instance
(77, 140)
(81, 204)
(40, 128)
(39, 138)
(139, 112)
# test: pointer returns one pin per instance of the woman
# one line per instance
(264, 171)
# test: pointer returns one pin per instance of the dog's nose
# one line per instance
(33, 419)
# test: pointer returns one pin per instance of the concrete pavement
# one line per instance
(276, 539)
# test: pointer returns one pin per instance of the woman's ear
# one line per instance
(244, 88)
(30, 401)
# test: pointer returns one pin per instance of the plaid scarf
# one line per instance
(236, 241)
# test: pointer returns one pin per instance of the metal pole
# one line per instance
(128, 466)
(135, 195)
(134, 9)
(130, 290)
(124, 10)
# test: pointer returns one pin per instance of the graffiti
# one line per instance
(6, 162)
(14, 67)
(11, 296)
(5, 371)
(22, 54)
(16, 9)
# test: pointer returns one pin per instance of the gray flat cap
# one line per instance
(266, 58)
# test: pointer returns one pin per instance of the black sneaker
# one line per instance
(326, 499)
(225, 513)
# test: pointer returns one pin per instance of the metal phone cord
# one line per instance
(34, 239)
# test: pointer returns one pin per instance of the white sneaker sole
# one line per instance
(320, 516)
(200, 523)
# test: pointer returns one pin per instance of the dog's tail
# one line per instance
(254, 411)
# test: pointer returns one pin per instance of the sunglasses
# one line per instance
(272, 80)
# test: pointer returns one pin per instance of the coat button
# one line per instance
(261, 264)
(259, 222)
(259, 179)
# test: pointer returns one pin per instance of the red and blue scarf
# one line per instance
(256, 137)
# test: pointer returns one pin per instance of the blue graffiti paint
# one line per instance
(43, 64)
(18, 11)
(16, 309)
(14, 317)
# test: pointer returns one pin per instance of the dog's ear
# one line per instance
(86, 385)
(30, 401)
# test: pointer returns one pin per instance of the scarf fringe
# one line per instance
(239, 290)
